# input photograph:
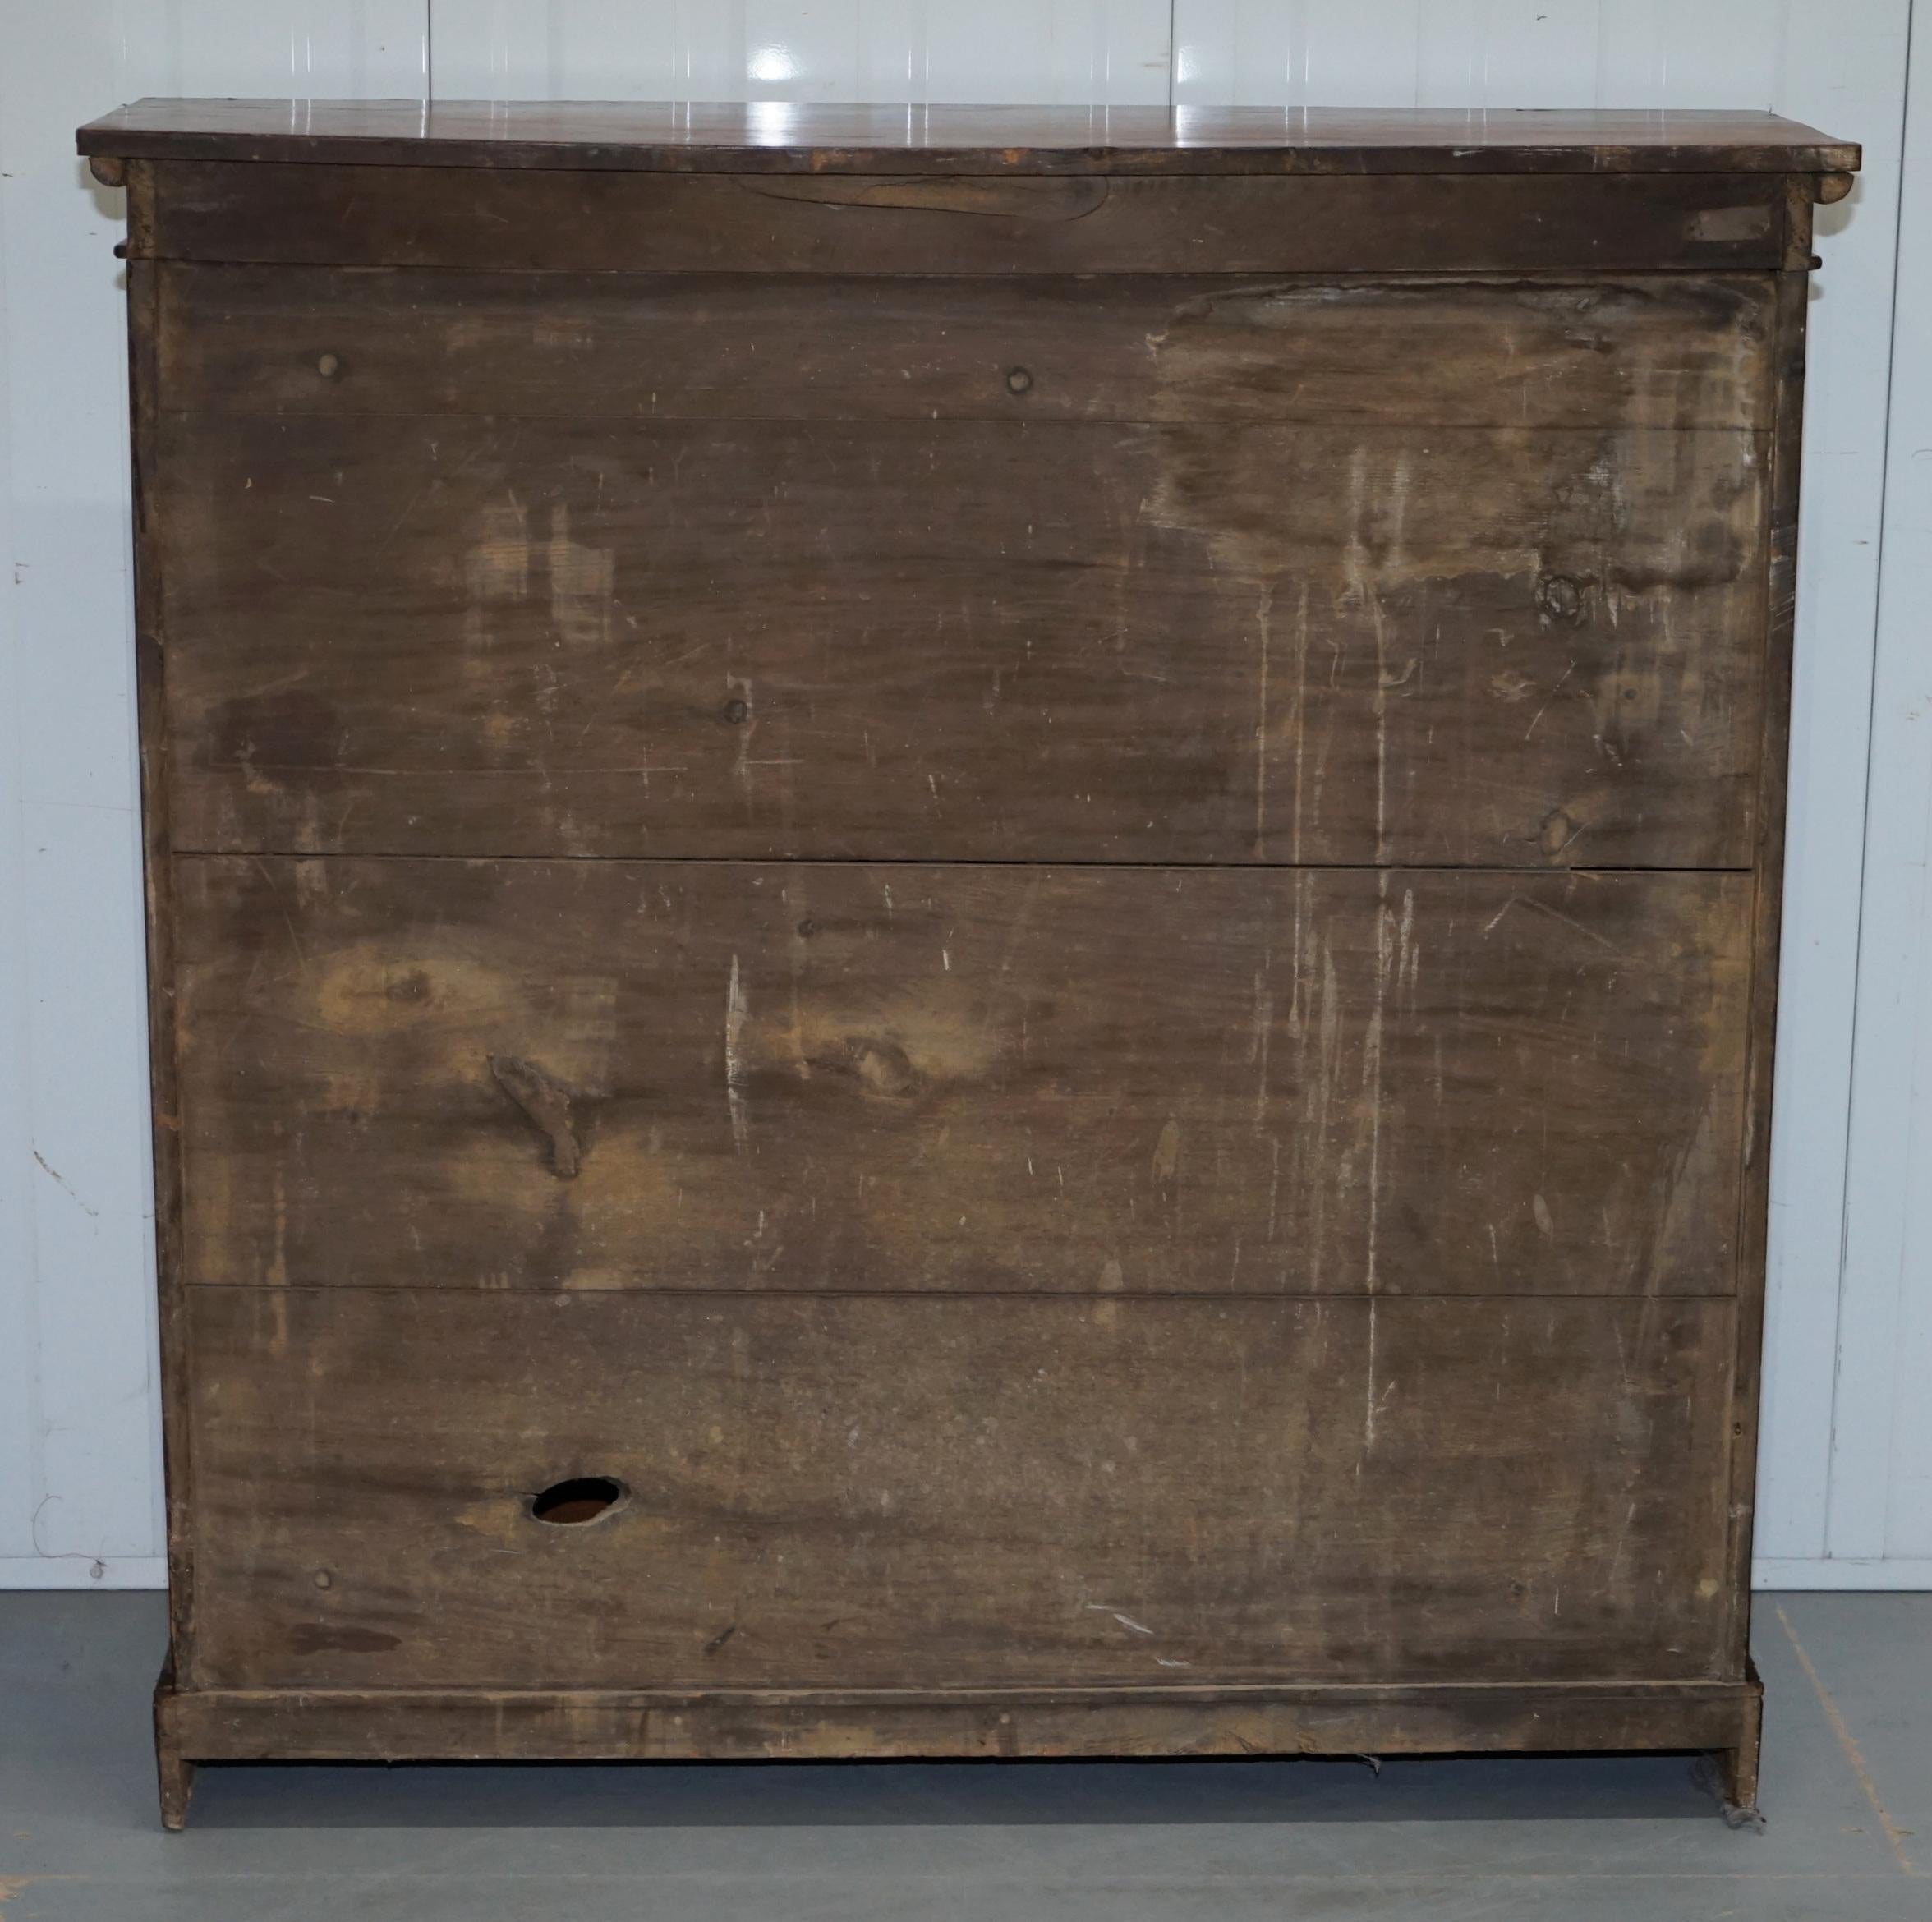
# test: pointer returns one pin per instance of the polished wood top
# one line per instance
(783, 137)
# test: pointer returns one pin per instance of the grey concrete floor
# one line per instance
(1847, 1788)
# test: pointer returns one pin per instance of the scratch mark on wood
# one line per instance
(1167, 1151)
(1126, 1621)
(1553, 693)
(1589, 934)
(735, 1010)
(1265, 617)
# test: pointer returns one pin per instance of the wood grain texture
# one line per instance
(155, 748)
(970, 639)
(892, 223)
(819, 138)
(1737, 1759)
(958, 1079)
(498, 1725)
(1040, 880)
(945, 1494)
(1664, 350)
(1767, 928)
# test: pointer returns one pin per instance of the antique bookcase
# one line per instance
(964, 922)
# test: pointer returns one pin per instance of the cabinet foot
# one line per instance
(1730, 1776)
(176, 1776)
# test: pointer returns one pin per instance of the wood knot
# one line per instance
(545, 1104)
(1559, 598)
(883, 1067)
(880, 1067)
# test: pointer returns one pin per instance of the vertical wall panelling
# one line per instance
(894, 51)
(80, 1481)
(1296, 54)
(1881, 1468)
(87, 1324)
(1846, 66)
(599, 49)
(19, 1343)
(1508, 53)
(796, 50)
(318, 50)
(1113, 53)
(1481, 53)
(1109, 52)
(1708, 53)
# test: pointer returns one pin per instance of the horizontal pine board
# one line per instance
(945, 1494)
(963, 639)
(891, 224)
(1665, 350)
(616, 1075)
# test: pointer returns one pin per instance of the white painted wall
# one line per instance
(80, 1449)
(1878, 1514)
(1845, 1493)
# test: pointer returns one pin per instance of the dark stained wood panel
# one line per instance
(605, 1075)
(1666, 351)
(768, 136)
(1794, 298)
(1043, 640)
(891, 223)
(702, 1723)
(947, 1493)
(1028, 857)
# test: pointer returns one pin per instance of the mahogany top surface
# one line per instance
(785, 137)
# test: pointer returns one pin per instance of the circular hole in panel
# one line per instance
(581, 1499)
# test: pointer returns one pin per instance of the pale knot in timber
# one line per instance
(1558, 598)
(880, 1067)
